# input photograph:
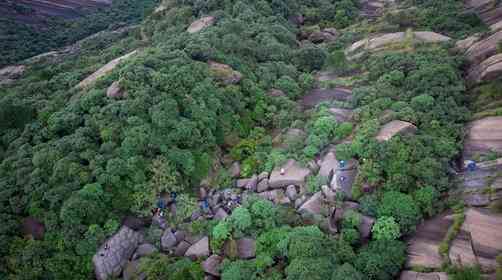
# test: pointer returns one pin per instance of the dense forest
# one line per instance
(80, 163)
(19, 40)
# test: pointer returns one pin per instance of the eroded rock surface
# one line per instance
(393, 128)
(483, 136)
(294, 174)
(201, 24)
(11, 73)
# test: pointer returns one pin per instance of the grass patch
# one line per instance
(458, 220)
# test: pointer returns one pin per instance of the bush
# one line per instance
(381, 259)
(402, 208)
(310, 58)
(386, 228)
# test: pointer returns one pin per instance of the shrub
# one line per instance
(240, 219)
(381, 259)
(402, 208)
(386, 228)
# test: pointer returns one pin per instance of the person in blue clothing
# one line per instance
(342, 163)
(471, 165)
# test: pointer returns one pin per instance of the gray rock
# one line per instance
(199, 249)
(313, 205)
(144, 250)
(483, 136)
(235, 170)
(299, 201)
(263, 185)
(294, 174)
(224, 73)
(180, 235)
(246, 248)
(242, 183)
(328, 193)
(168, 240)
(329, 164)
(395, 127)
(131, 271)
(11, 73)
(220, 214)
(112, 256)
(343, 181)
(477, 200)
(279, 197)
(212, 265)
(181, 248)
(201, 24)
(264, 175)
(114, 91)
(252, 183)
(202, 193)
(366, 226)
(291, 192)
(412, 275)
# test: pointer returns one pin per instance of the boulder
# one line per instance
(242, 183)
(488, 10)
(11, 73)
(235, 170)
(483, 136)
(291, 192)
(477, 199)
(343, 180)
(393, 128)
(461, 251)
(212, 265)
(264, 175)
(246, 248)
(168, 240)
(182, 248)
(323, 37)
(33, 228)
(483, 48)
(252, 183)
(413, 275)
(199, 249)
(366, 226)
(328, 165)
(201, 24)
(106, 69)
(313, 205)
(320, 95)
(342, 115)
(224, 73)
(263, 185)
(328, 193)
(486, 71)
(144, 250)
(114, 91)
(112, 256)
(220, 214)
(294, 174)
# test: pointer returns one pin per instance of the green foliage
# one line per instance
(302, 268)
(310, 58)
(458, 220)
(240, 219)
(465, 273)
(346, 272)
(425, 198)
(386, 228)
(159, 266)
(402, 208)
(221, 232)
(381, 259)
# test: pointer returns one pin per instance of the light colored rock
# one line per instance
(212, 265)
(252, 183)
(291, 192)
(201, 24)
(461, 251)
(235, 170)
(488, 70)
(413, 275)
(224, 73)
(488, 10)
(181, 249)
(264, 175)
(328, 193)
(11, 73)
(199, 249)
(294, 174)
(321, 95)
(144, 250)
(477, 199)
(106, 69)
(342, 115)
(483, 49)
(313, 205)
(168, 240)
(246, 248)
(366, 226)
(242, 183)
(343, 180)
(483, 136)
(395, 127)
(220, 214)
(114, 91)
(263, 185)
(463, 45)
(329, 164)
(112, 256)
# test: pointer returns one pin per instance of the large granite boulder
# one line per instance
(224, 73)
(168, 240)
(106, 69)
(328, 164)
(294, 174)
(319, 95)
(413, 275)
(199, 250)
(343, 180)
(115, 91)
(313, 205)
(382, 42)
(144, 250)
(423, 246)
(393, 128)
(342, 115)
(483, 48)
(11, 73)
(483, 136)
(201, 24)
(246, 248)
(488, 70)
(488, 10)
(112, 256)
(212, 265)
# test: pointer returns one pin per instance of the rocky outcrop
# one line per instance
(373, 8)
(115, 91)
(343, 179)
(106, 69)
(483, 136)
(489, 11)
(313, 205)
(246, 248)
(112, 256)
(325, 36)
(201, 24)
(224, 73)
(212, 265)
(393, 128)
(382, 42)
(423, 246)
(413, 275)
(10, 74)
(488, 70)
(318, 96)
(294, 174)
(199, 250)
(341, 115)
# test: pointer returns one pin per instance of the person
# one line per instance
(283, 171)
(173, 196)
(342, 178)
(471, 165)
(342, 163)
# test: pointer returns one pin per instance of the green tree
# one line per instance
(386, 228)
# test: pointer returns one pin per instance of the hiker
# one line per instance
(342, 178)
(283, 171)
(342, 163)
(471, 165)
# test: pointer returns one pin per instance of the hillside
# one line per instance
(263, 139)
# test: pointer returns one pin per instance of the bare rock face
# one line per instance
(489, 11)
(114, 91)
(313, 205)
(168, 240)
(393, 128)
(201, 24)
(318, 95)
(483, 136)
(423, 246)
(212, 265)
(483, 48)
(224, 73)
(112, 257)
(11, 73)
(199, 249)
(382, 42)
(488, 70)
(144, 250)
(294, 174)
(246, 248)
(413, 275)
(329, 164)
(341, 115)
(106, 69)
